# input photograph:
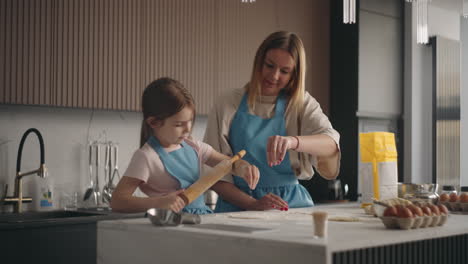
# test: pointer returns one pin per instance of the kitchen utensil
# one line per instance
(89, 190)
(110, 186)
(106, 192)
(335, 191)
(96, 193)
(208, 180)
(115, 173)
(164, 217)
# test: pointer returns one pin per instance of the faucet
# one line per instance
(17, 199)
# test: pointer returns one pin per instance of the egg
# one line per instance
(464, 198)
(444, 197)
(453, 197)
(435, 210)
(426, 210)
(416, 210)
(405, 213)
(443, 209)
(390, 211)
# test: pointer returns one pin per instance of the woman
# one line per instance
(282, 128)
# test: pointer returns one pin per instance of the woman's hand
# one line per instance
(249, 173)
(171, 201)
(269, 201)
(277, 146)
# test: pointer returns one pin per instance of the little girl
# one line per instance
(168, 159)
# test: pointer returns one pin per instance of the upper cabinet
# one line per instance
(102, 54)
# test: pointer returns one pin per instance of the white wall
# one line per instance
(380, 59)
(66, 133)
(418, 90)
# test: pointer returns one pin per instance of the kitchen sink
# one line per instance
(44, 216)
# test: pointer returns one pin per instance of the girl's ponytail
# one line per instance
(146, 132)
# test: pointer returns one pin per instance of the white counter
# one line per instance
(282, 237)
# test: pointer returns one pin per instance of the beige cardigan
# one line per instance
(311, 121)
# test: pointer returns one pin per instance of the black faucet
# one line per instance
(18, 198)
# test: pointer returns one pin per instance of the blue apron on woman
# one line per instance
(183, 165)
(251, 132)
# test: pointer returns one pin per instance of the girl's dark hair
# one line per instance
(161, 99)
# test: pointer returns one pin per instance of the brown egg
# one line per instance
(435, 210)
(453, 197)
(444, 197)
(405, 213)
(464, 198)
(390, 211)
(399, 207)
(443, 209)
(416, 210)
(426, 210)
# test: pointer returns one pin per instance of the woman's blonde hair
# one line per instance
(295, 89)
(161, 99)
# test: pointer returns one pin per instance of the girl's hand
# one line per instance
(270, 201)
(171, 201)
(277, 147)
(250, 174)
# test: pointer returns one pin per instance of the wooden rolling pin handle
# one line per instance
(237, 157)
(184, 198)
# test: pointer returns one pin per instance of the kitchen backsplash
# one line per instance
(66, 135)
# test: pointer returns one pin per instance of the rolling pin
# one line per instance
(208, 180)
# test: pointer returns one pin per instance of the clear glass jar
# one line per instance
(448, 192)
(463, 197)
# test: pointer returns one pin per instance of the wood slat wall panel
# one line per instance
(17, 51)
(3, 49)
(101, 54)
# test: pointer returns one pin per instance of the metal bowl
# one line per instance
(425, 191)
(163, 217)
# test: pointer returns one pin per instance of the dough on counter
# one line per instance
(343, 219)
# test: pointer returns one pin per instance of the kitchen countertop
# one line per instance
(269, 237)
(9, 221)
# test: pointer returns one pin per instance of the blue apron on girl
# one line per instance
(183, 165)
(251, 132)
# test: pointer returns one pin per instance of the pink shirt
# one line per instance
(148, 167)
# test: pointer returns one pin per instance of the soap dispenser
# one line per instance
(44, 195)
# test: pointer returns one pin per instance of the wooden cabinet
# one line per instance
(102, 54)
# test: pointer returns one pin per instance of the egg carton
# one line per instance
(393, 222)
(456, 206)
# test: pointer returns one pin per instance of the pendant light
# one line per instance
(349, 11)
(422, 31)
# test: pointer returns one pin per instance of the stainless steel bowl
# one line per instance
(163, 217)
(425, 191)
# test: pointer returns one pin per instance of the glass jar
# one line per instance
(448, 192)
(448, 189)
(463, 194)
